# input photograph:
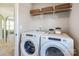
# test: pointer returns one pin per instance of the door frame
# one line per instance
(16, 30)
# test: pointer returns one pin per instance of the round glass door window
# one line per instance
(53, 51)
(29, 47)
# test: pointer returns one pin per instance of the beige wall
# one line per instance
(74, 24)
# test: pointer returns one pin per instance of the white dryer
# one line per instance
(56, 45)
(30, 43)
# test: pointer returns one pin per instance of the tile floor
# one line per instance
(7, 48)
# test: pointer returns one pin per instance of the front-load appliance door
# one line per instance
(54, 49)
(29, 47)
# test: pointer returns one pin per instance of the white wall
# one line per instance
(28, 22)
(74, 24)
(50, 20)
(24, 16)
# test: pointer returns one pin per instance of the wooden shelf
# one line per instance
(47, 10)
(62, 10)
(63, 7)
(50, 9)
(35, 12)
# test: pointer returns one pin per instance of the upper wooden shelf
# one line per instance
(63, 7)
(47, 10)
(35, 12)
(51, 9)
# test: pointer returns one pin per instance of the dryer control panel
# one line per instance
(29, 35)
(56, 39)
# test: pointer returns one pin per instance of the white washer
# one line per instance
(30, 43)
(56, 45)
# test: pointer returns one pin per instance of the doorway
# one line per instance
(7, 39)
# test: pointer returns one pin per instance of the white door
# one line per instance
(54, 49)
